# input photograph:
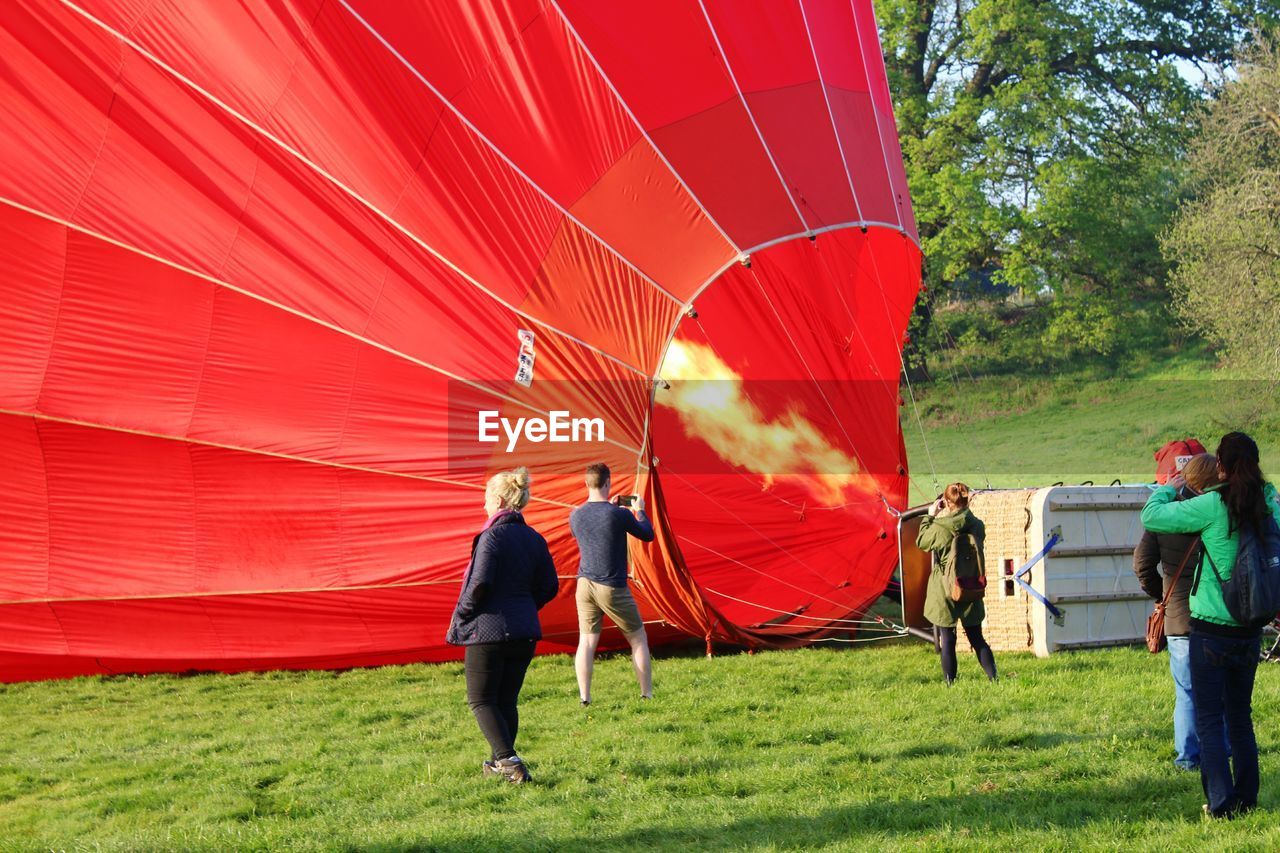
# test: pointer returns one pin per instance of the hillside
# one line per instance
(1095, 422)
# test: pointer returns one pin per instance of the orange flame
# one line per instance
(709, 398)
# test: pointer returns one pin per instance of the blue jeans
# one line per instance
(1184, 710)
(1222, 670)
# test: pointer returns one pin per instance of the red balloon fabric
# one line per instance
(278, 277)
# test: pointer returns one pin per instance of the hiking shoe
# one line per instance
(513, 770)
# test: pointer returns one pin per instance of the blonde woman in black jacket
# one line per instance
(510, 578)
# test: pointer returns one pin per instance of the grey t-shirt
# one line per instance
(601, 529)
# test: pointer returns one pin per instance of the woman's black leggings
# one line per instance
(946, 638)
(495, 674)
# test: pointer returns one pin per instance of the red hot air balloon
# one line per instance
(264, 264)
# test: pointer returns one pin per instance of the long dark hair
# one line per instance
(1242, 493)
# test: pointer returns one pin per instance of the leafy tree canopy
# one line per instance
(1225, 242)
(1043, 138)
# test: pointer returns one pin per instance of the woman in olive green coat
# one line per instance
(948, 517)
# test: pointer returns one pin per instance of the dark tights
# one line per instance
(946, 640)
(495, 674)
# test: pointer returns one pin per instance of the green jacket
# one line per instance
(1206, 515)
(936, 535)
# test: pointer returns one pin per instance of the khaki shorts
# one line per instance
(596, 599)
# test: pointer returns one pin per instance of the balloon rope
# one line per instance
(812, 377)
(792, 613)
(846, 606)
(763, 536)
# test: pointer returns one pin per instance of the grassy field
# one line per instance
(814, 749)
(825, 748)
(1019, 431)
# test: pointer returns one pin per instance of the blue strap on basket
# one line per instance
(1027, 566)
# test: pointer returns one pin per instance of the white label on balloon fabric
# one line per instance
(524, 360)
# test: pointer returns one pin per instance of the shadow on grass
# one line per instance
(969, 816)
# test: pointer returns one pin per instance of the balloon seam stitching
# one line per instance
(428, 478)
(302, 158)
(875, 110)
(286, 308)
(750, 115)
(162, 596)
(493, 147)
(835, 131)
(645, 133)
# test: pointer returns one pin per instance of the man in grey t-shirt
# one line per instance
(601, 528)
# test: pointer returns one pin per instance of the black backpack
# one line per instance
(1252, 593)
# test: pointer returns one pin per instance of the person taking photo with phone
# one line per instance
(948, 526)
(601, 528)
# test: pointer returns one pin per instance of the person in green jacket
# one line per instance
(1224, 654)
(948, 517)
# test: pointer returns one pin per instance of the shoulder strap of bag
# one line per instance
(1213, 566)
(1185, 557)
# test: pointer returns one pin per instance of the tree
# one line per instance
(1043, 138)
(1225, 242)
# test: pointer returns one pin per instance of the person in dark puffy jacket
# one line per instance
(1169, 551)
(510, 578)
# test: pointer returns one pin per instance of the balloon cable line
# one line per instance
(944, 340)
(906, 375)
(901, 361)
(792, 613)
(645, 133)
(846, 606)
(763, 536)
(826, 97)
(858, 329)
(351, 193)
(501, 154)
(707, 337)
(875, 110)
(710, 343)
(786, 189)
(843, 605)
(812, 377)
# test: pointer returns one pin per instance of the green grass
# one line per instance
(814, 749)
(1030, 431)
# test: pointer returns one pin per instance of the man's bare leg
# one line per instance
(641, 662)
(583, 662)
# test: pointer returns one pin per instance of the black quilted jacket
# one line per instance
(510, 578)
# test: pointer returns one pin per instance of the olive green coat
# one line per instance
(936, 535)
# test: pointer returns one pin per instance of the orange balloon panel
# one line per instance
(283, 282)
